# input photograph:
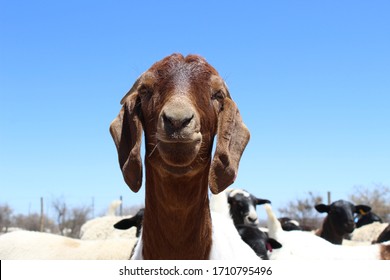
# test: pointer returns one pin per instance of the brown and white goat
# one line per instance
(180, 103)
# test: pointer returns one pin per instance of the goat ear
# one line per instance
(322, 208)
(274, 244)
(125, 224)
(232, 138)
(126, 130)
(260, 201)
(362, 209)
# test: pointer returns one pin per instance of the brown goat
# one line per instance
(181, 103)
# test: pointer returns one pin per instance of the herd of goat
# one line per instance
(115, 237)
(181, 105)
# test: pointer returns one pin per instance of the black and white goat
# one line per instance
(258, 240)
(240, 206)
(289, 224)
(243, 206)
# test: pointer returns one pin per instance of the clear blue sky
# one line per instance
(311, 79)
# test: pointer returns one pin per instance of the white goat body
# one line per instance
(368, 233)
(29, 245)
(103, 228)
(219, 203)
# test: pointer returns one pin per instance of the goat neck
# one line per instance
(177, 222)
(328, 233)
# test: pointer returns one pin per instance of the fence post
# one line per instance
(329, 198)
(42, 220)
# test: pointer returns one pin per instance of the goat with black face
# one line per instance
(340, 219)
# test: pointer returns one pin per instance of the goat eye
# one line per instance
(218, 95)
(144, 91)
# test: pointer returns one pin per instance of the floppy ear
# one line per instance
(273, 244)
(126, 130)
(126, 223)
(322, 208)
(232, 138)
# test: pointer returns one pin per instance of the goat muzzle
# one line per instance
(178, 132)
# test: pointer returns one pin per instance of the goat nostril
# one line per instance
(166, 119)
(176, 122)
(187, 121)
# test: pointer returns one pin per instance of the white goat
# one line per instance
(219, 203)
(103, 227)
(301, 245)
(28, 245)
(368, 233)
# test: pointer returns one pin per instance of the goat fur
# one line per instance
(103, 227)
(180, 104)
(368, 233)
(31, 245)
